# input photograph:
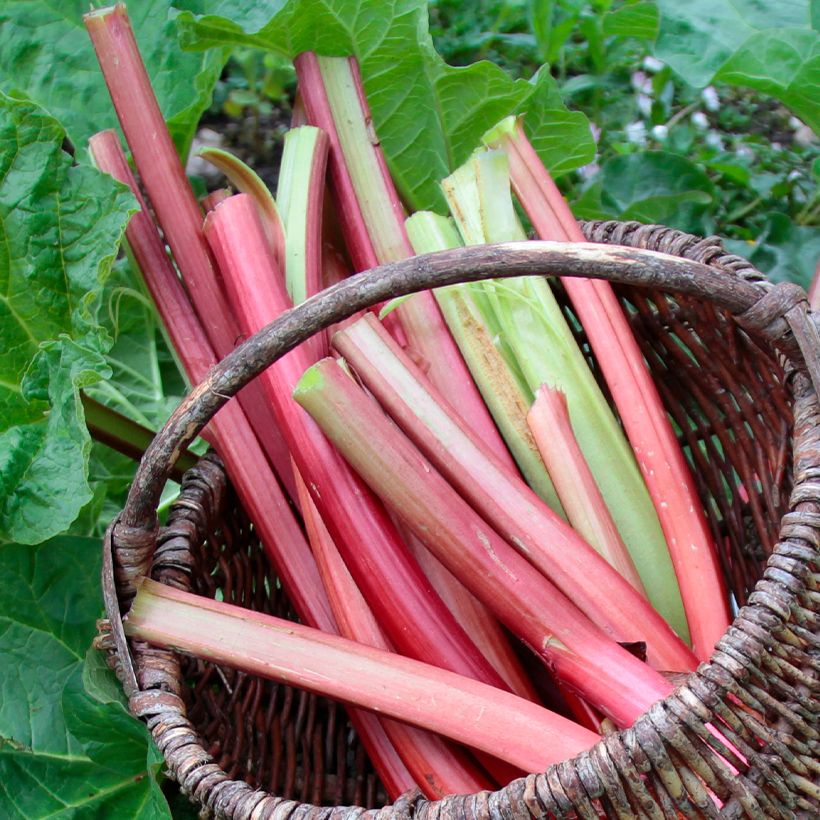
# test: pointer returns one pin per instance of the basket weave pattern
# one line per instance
(750, 423)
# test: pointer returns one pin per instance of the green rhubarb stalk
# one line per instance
(526, 602)
(650, 432)
(503, 393)
(246, 180)
(300, 194)
(503, 500)
(498, 723)
(546, 352)
(586, 509)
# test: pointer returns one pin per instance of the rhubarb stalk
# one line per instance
(246, 464)
(415, 619)
(372, 221)
(246, 180)
(504, 501)
(503, 393)
(609, 677)
(541, 347)
(174, 203)
(464, 710)
(437, 768)
(658, 453)
(585, 506)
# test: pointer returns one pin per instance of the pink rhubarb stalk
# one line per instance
(656, 449)
(174, 203)
(580, 496)
(415, 619)
(247, 466)
(372, 219)
(462, 709)
(436, 768)
(530, 606)
(505, 501)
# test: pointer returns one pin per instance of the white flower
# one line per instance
(641, 82)
(644, 102)
(713, 140)
(710, 98)
(660, 132)
(636, 132)
(700, 120)
(589, 171)
(652, 64)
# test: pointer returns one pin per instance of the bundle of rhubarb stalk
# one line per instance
(436, 482)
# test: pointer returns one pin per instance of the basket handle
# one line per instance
(779, 313)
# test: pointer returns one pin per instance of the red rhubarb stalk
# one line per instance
(462, 709)
(505, 501)
(213, 199)
(580, 496)
(174, 203)
(239, 448)
(415, 619)
(372, 221)
(659, 456)
(436, 768)
(529, 605)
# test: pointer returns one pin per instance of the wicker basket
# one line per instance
(733, 358)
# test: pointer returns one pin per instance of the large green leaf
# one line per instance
(68, 748)
(429, 116)
(60, 227)
(770, 46)
(656, 187)
(785, 252)
(46, 53)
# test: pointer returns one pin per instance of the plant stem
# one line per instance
(300, 194)
(246, 180)
(586, 509)
(174, 203)
(415, 619)
(462, 709)
(529, 605)
(125, 436)
(650, 432)
(372, 220)
(504, 501)
(436, 768)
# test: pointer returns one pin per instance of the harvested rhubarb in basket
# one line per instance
(460, 517)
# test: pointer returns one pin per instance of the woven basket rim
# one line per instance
(775, 313)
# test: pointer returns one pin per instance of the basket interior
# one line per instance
(730, 401)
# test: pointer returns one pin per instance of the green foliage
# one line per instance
(772, 47)
(68, 747)
(728, 160)
(44, 51)
(61, 226)
(429, 115)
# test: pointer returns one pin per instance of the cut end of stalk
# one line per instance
(312, 379)
(495, 136)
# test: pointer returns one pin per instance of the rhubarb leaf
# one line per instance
(785, 252)
(45, 52)
(634, 20)
(68, 747)
(429, 116)
(771, 47)
(657, 187)
(60, 228)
